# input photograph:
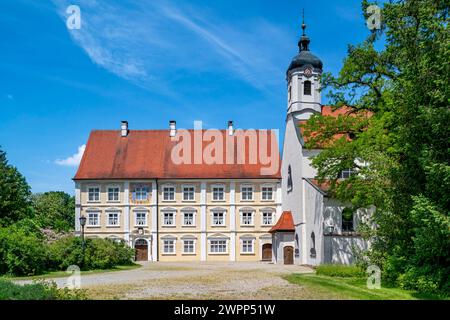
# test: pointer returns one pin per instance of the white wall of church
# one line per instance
(307, 169)
(341, 249)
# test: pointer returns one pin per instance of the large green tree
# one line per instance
(397, 83)
(55, 210)
(15, 193)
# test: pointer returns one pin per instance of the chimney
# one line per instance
(124, 128)
(230, 128)
(173, 128)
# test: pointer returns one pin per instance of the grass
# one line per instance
(335, 270)
(37, 291)
(354, 288)
(62, 274)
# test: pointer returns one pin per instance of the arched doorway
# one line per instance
(267, 252)
(141, 248)
(288, 255)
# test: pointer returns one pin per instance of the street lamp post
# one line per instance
(83, 245)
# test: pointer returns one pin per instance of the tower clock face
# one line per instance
(308, 72)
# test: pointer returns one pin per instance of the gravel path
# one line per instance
(206, 280)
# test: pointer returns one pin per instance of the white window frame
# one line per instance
(89, 193)
(194, 244)
(194, 215)
(269, 212)
(273, 192)
(164, 192)
(113, 211)
(252, 213)
(346, 173)
(185, 186)
(252, 243)
(221, 186)
(141, 187)
(118, 193)
(217, 253)
(173, 245)
(224, 220)
(97, 213)
(163, 220)
(242, 193)
(136, 212)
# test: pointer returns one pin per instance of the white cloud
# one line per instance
(154, 43)
(74, 160)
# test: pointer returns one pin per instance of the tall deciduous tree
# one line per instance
(14, 193)
(55, 210)
(397, 139)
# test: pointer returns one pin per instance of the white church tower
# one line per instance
(304, 99)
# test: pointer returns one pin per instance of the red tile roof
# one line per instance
(329, 111)
(285, 223)
(146, 154)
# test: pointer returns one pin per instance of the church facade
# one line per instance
(312, 223)
(233, 207)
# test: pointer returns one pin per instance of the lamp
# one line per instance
(82, 224)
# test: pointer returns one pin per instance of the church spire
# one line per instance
(303, 43)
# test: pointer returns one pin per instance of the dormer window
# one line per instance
(307, 88)
(346, 173)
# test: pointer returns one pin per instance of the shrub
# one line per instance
(105, 254)
(22, 252)
(334, 270)
(99, 253)
(37, 291)
(65, 252)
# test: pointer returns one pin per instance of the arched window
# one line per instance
(307, 88)
(313, 245)
(289, 180)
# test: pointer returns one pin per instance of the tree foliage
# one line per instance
(55, 210)
(396, 137)
(14, 193)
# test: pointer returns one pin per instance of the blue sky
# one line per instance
(149, 62)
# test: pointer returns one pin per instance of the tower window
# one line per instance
(307, 88)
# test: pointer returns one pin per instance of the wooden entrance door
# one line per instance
(267, 252)
(141, 248)
(288, 255)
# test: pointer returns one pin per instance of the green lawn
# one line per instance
(351, 288)
(62, 274)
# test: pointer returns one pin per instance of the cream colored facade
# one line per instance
(183, 220)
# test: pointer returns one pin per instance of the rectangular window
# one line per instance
(188, 193)
(247, 193)
(188, 219)
(218, 193)
(247, 246)
(141, 193)
(141, 218)
(247, 218)
(346, 173)
(94, 194)
(113, 194)
(218, 219)
(169, 246)
(218, 246)
(188, 246)
(113, 219)
(267, 218)
(169, 193)
(93, 219)
(169, 219)
(267, 193)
